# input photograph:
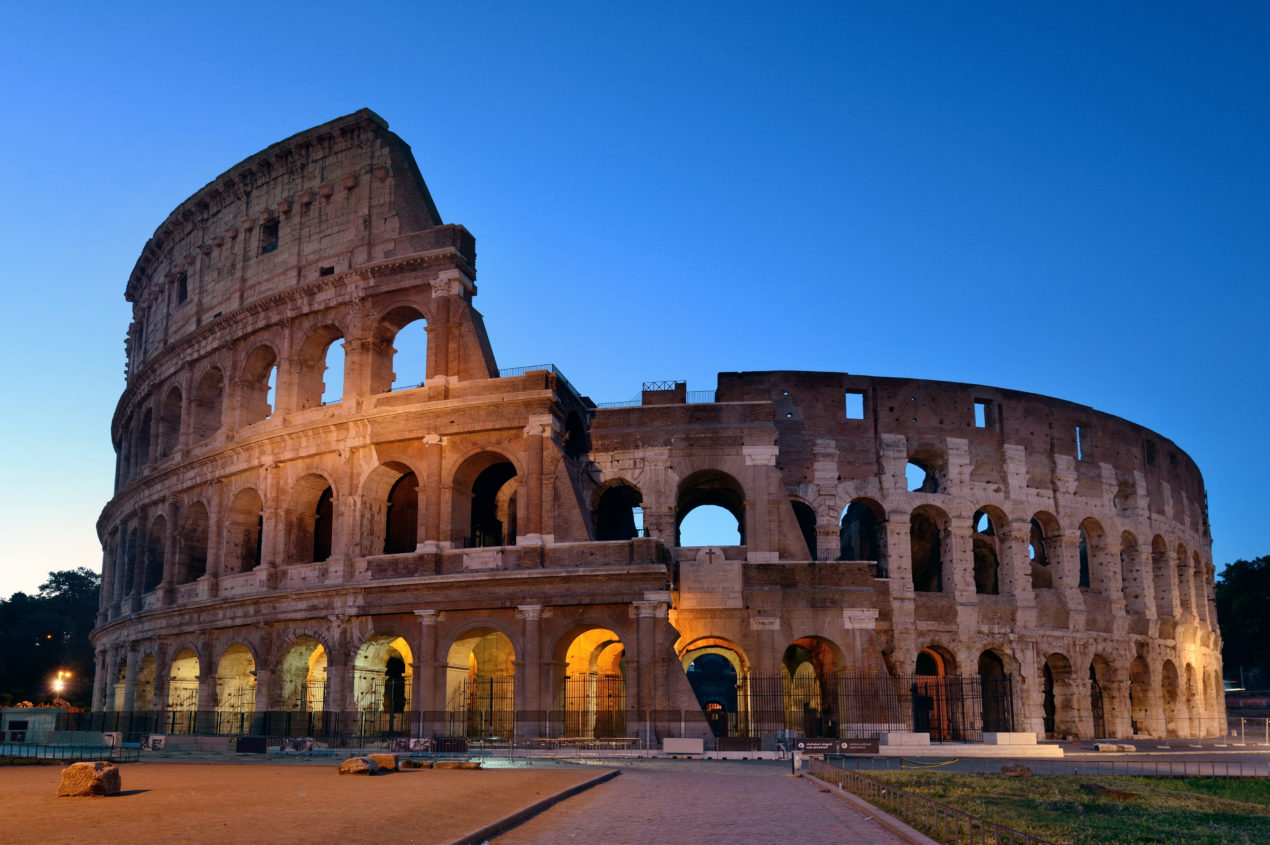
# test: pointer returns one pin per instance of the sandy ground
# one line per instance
(228, 803)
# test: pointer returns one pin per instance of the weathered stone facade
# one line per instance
(402, 550)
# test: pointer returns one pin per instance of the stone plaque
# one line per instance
(710, 581)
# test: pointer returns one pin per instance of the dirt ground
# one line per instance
(228, 803)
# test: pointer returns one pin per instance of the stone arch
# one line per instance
(257, 382)
(1170, 694)
(932, 707)
(147, 674)
(1059, 709)
(170, 422)
(313, 382)
(862, 533)
(809, 670)
(244, 523)
(1140, 695)
(618, 513)
(1185, 581)
(1163, 578)
(390, 497)
(302, 671)
(1040, 548)
(710, 488)
(986, 526)
(1193, 709)
(383, 675)
(191, 556)
(593, 695)
(718, 673)
(805, 518)
(208, 406)
(928, 542)
(311, 519)
(1092, 552)
(383, 353)
(183, 676)
(994, 680)
(927, 469)
(1132, 577)
(480, 684)
(484, 506)
(1103, 699)
(235, 688)
(156, 545)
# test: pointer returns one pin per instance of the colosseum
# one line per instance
(315, 534)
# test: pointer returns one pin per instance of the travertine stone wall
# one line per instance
(485, 518)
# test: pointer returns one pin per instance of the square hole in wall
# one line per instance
(855, 404)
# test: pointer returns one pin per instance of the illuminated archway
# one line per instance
(594, 694)
(480, 685)
(235, 689)
(382, 680)
(808, 667)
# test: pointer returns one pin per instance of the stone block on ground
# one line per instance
(386, 762)
(457, 764)
(96, 778)
(359, 766)
(409, 763)
(1016, 770)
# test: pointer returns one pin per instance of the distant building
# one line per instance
(464, 551)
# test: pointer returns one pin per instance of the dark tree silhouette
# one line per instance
(46, 632)
(1243, 614)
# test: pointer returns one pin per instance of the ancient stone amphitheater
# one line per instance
(314, 533)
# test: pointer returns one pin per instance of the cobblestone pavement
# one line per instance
(695, 801)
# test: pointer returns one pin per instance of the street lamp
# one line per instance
(59, 682)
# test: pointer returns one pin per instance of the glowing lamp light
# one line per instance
(59, 682)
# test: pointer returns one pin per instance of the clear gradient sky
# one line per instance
(1066, 198)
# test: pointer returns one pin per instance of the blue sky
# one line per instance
(1065, 198)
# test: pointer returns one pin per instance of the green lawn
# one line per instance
(1058, 808)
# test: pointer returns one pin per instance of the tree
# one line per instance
(1243, 614)
(46, 632)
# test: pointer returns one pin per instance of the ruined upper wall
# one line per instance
(321, 202)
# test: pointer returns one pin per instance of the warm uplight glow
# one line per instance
(59, 682)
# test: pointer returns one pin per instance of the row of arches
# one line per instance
(268, 379)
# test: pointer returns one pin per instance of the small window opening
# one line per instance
(983, 413)
(182, 287)
(268, 236)
(1081, 435)
(270, 393)
(920, 479)
(855, 405)
(326, 271)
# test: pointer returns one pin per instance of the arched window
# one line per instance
(710, 505)
(320, 368)
(399, 354)
(170, 423)
(986, 562)
(402, 519)
(155, 543)
(618, 515)
(260, 374)
(208, 402)
(807, 524)
(1043, 526)
(246, 518)
(861, 536)
(926, 538)
(323, 521)
(192, 553)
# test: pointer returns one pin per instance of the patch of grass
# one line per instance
(1064, 809)
(30, 761)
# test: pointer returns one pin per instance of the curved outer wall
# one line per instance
(251, 522)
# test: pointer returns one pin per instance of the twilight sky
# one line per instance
(1065, 198)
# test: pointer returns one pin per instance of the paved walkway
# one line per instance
(701, 802)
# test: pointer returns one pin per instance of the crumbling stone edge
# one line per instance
(883, 818)
(521, 816)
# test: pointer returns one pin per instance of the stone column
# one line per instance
(430, 536)
(537, 435)
(1138, 587)
(645, 645)
(1064, 551)
(215, 538)
(899, 553)
(130, 680)
(533, 707)
(167, 588)
(429, 676)
(99, 680)
(761, 493)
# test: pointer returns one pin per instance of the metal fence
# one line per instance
(1142, 767)
(947, 824)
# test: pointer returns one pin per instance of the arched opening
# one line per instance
(156, 542)
(1098, 675)
(1131, 573)
(933, 708)
(1162, 577)
(303, 680)
(721, 502)
(209, 398)
(140, 452)
(191, 560)
(926, 537)
(1140, 698)
(183, 691)
(242, 539)
(1043, 527)
(995, 693)
(1060, 709)
(576, 440)
(860, 536)
(120, 689)
(235, 689)
(806, 524)
(320, 368)
(170, 423)
(259, 379)
(400, 357)
(1185, 581)
(382, 680)
(1192, 701)
(594, 694)
(987, 564)
(618, 515)
(480, 685)
(147, 671)
(401, 521)
(485, 501)
(311, 520)
(925, 470)
(1169, 689)
(808, 665)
